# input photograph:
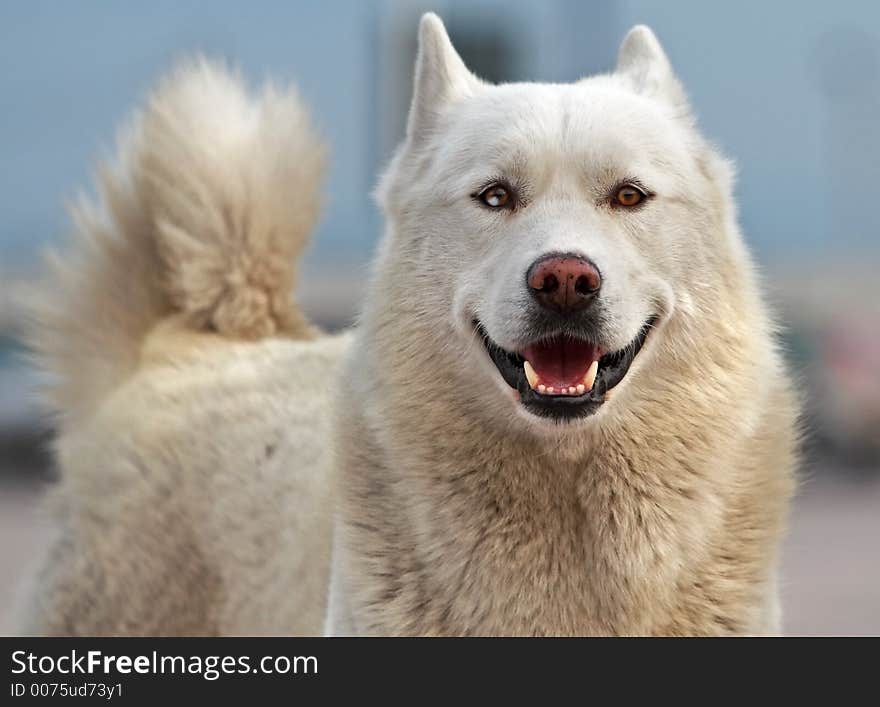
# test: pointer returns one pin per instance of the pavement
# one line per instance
(831, 557)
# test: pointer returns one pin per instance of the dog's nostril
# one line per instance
(584, 286)
(551, 284)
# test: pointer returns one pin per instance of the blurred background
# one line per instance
(790, 89)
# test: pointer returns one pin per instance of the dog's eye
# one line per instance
(497, 196)
(628, 195)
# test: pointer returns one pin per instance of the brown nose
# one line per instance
(564, 283)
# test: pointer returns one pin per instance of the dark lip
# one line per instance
(613, 368)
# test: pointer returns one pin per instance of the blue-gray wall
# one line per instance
(790, 89)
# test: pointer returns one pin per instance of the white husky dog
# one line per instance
(563, 411)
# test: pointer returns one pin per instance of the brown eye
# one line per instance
(496, 196)
(628, 196)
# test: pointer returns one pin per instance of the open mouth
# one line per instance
(564, 377)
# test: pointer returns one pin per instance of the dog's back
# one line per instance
(192, 396)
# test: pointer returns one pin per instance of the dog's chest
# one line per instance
(513, 559)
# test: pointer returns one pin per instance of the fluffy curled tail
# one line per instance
(202, 214)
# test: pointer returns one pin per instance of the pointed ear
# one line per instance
(642, 62)
(441, 76)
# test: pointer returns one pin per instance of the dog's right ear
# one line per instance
(440, 79)
(644, 65)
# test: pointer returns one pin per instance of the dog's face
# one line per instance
(556, 228)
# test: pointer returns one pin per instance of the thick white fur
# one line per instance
(193, 399)
(197, 425)
(462, 512)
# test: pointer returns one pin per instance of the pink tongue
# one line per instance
(561, 363)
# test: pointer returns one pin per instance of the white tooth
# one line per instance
(580, 389)
(542, 388)
(531, 376)
(590, 375)
(571, 390)
(551, 389)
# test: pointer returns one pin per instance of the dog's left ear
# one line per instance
(441, 77)
(642, 62)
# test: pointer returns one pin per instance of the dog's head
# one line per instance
(549, 233)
